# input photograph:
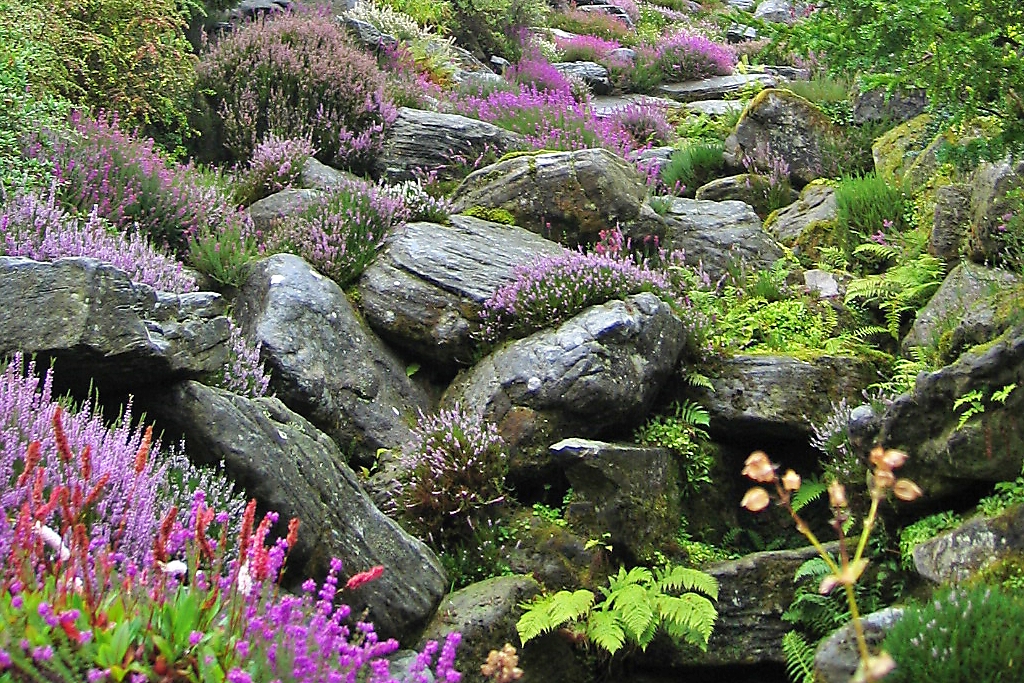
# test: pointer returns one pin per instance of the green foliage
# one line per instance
(923, 530)
(223, 253)
(808, 492)
(635, 605)
(865, 206)
(973, 402)
(900, 290)
(819, 615)
(492, 27)
(799, 658)
(822, 89)
(494, 215)
(961, 634)
(682, 433)
(702, 127)
(425, 12)
(1005, 495)
(692, 166)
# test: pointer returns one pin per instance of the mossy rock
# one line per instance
(494, 214)
(895, 151)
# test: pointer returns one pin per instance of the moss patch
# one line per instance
(494, 215)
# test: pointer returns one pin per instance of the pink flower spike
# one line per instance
(369, 575)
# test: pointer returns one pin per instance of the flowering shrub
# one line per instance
(584, 48)
(455, 467)
(275, 165)
(298, 76)
(125, 180)
(630, 7)
(35, 227)
(689, 57)
(418, 204)
(536, 73)
(646, 124)
(556, 288)
(244, 373)
(72, 609)
(340, 232)
(597, 24)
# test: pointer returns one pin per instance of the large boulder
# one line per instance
(718, 234)
(290, 467)
(569, 197)
(713, 88)
(962, 312)
(324, 363)
(989, 447)
(630, 492)
(778, 124)
(280, 205)
(978, 543)
(597, 371)
(98, 323)
(837, 657)
(950, 222)
(878, 104)
(425, 291)
(776, 11)
(989, 207)
(426, 141)
(899, 149)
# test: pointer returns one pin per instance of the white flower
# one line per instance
(52, 539)
(173, 568)
(244, 580)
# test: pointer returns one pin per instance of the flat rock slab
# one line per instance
(713, 88)
(606, 105)
(715, 107)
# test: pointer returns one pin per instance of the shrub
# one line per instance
(424, 12)
(455, 467)
(224, 252)
(963, 633)
(275, 165)
(297, 76)
(126, 181)
(689, 57)
(866, 205)
(389, 19)
(555, 288)
(244, 373)
(340, 232)
(645, 123)
(597, 24)
(35, 227)
(536, 73)
(495, 27)
(418, 204)
(642, 74)
(585, 48)
(694, 165)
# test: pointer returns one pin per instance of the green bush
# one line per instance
(493, 27)
(682, 433)
(865, 206)
(923, 530)
(962, 634)
(694, 165)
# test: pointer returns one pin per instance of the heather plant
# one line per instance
(388, 19)
(585, 48)
(597, 24)
(275, 164)
(34, 226)
(298, 76)
(866, 206)
(555, 288)
(533, 72)
(688, 57)
(455, 467)
(197, 607)
(223, 251)
(772, 191)
(961, 633)
(849, 568)
(340, 232)
(645, 123)
(419, 205)
(642, 74)
(424, 12)
(244, 373)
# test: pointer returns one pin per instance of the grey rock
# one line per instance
(425, 291)
(429, 141)
(715, 107)
(606, 105)
(990, 187)
(713, 88)
(610, 10)
(319, 176)
(949, 227)
(817, 203)
(736, 187)
(957, 554)
(962, 312)
(478, 80)
(789, 126)
(369, 36)
(283, 204)
(591, 73)
(569, 197)
(821, 282)
(837, 658)
(738, 33)
(499, 64)
(324, 363)
(291, 467)
(742, 5)
(597, 371)
(878, 105)
(718, 233)
(98, 323)
(613, 489)
(863, 426)
(775, 11)
(622, 54)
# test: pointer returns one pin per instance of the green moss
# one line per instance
(524, 153)
(815, 236)
(494, 215)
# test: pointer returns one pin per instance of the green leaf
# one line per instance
(687, 579)
(605, 630)
(631, 603)
(799, 658)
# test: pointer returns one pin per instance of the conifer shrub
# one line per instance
(296, 76)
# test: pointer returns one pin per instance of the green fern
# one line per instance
(549, 612)
(899, 290)
(808, 492)
(815, 568)
(799, 658)
(698, 380)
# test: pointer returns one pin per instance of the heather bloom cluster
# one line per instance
(298, 77)
(36, 227)
(417, 203)
(455, 468)
(585, 48)
(690, 56)
(244, 372)
(556, 288)
(535, 72)
(646, 123)
(276, 164)
(340, 232)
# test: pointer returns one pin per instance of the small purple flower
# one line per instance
(237, 675)
(194, 638)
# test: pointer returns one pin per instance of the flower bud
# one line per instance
(884, 478)
(907, 490)
(837, 495)
(791, 481)
(755, 500)
(759, 468)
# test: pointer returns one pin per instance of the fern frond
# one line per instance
(634, 608)
(808, 492)
(882, 252)
(815, 568)
(566, 606)
(535, 620)
(604, 630)
(799, 658)
(690, 617)
(636, 575)
(696, 379)
(693, 413)
(686, 579)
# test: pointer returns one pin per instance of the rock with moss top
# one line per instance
(448, 144)
(950, 222)
(978, 543)
(325, 363)
(742, 187)
(817, 203)
(778, 124)
(569, 197)
(289, 466)
(990, 207)
(425, 291)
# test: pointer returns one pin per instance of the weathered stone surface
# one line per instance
(735, 187)
(628, 491)
(597, 371)
(324, 363)
(486, 613)
(962, 312)
(319, 176)
(591, 73)
(977, 543)
(713, 88)
(837, 658)
(290, 467)
(821, 282)
(715, 107)
(283, 204)
(566, 196)
(429, 141)
(817, 203)
(878, 105)
(717, 233)
(776, 11)
(762, 397)
(988, 448)
(949, 227)
(368, 36)
(98, 323)
(779, 124)
(989, 204)
(605, 105)
(426, 290)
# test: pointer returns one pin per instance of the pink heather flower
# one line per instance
(194, 638)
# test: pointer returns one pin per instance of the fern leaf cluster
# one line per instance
(799, 658)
